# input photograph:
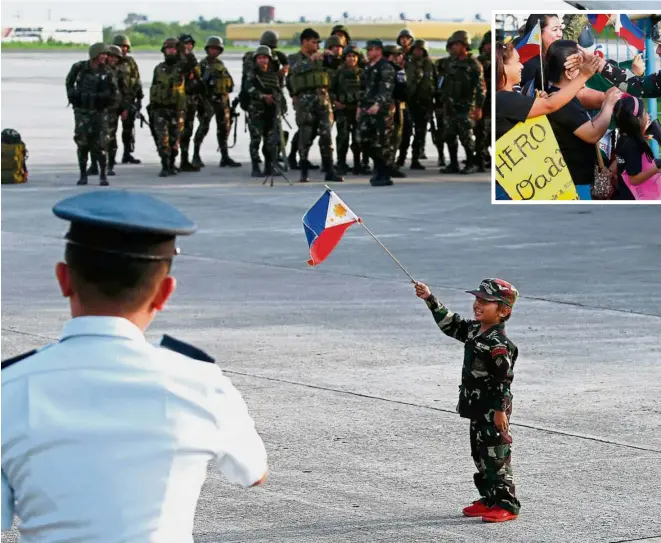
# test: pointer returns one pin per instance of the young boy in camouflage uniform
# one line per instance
(484, 394)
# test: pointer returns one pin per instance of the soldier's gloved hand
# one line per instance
(422, 290)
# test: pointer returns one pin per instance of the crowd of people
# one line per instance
(579, 116)
(381, 101)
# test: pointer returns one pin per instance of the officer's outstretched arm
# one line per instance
(242, 455)
(7, 504)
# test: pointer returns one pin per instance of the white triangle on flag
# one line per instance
(338, 212)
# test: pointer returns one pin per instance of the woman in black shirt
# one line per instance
(551, 31)
(575, 131)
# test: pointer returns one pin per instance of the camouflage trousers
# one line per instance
(347, 131)
(374, 134)
(167, 124)
(459, 125)
(261, 126)
(440, 123)
(113, 125)
(128, 132)
(219, 109)
(397, 133)
(91, 131)
(483, 139)
(491, 453)
(420, 114)
(407, 133)
(194, 106)
(314, 115)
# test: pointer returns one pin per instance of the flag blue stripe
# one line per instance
(314, 221)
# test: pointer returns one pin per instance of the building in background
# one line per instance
(266, 14)
(23, 30)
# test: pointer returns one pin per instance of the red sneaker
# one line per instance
(498, 514)
(477, 509)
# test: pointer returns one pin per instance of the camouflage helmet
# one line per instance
(374, 43)
(121, 39)
(97, 49)
(420, 44)
(214, 41)
(343, 29)
(404, 32)
(350, 50)
(392, 50)
(460, 36)
(496, 290)
(115, 51)
(169, 42)
(186, 38)
(263, 50)
(334, 41)
(269, 38)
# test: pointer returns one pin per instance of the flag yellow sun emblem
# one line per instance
(340, 211)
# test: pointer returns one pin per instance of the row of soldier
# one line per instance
(378, 103)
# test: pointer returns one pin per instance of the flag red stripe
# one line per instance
(324, 244)
(528, 51)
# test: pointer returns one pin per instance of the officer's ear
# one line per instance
(165, 289)
(63, 275)
(504, 312)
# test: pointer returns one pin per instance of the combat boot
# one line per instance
(227, 162)
(453, 167)
(103, 180)
(172, 169)
(82, 164)
(128, 158)
(311, 166)
(331, 173)
(291, 159)
(305, 178)
(342, 166)
(470, 167)
(365, 166)
(164, 167)
(197, 161)
(415, 165)
(256, 171)
(185, 165)
(401, 160)
(381, 177)
(111, 163)
(441, 157)
(395, 172)
(94, 167)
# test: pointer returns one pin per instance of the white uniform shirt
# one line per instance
(106, 437)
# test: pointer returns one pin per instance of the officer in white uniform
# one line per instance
(106, 437)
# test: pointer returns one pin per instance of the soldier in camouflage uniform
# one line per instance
(167, 105)
(218, 84)
(483, 126)
(115, 58)
(342, 32)
(405, 40)
(91, 89)
(308, 82)
(462, 95)
(394, 55)
(346, 92)
(376, 112)
(264, 90)
(132, 97)
(421, 82)
(484, 394)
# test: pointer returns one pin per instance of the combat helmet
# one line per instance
(269, 38)
(214, 41)
(460, 36)
(263, 50)
(97, 49)
(421, 44)
(186, 38)
(350, 49)
(404, 32)
(374, 43)
(115, 51)
(169, 42)
(392, 50)
(343, 29)
(121, 39)
(334, 41)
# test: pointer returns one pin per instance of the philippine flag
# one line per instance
(630, 32)
(325, 224)
(531, 44)
(598, 21)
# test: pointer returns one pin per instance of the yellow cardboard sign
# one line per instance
(529, 164)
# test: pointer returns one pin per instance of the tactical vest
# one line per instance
(191, 66)
(129, 69)
(349, 86)
(423, 74)
(220, 80)
(309, 80)
(268, 81)
(371, 82)
(117, 102)
(457, 86)
(93, 89)
(168, 86)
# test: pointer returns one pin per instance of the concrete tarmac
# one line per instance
(352, 386)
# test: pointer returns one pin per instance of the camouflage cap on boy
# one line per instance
(496, 290)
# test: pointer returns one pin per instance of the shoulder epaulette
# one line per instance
(168, 342)
(18, 358)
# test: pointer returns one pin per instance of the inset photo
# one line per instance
(577, 107)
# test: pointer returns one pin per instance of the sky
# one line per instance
(113, 13)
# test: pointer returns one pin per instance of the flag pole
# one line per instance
(541, 59)
(360, 221)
